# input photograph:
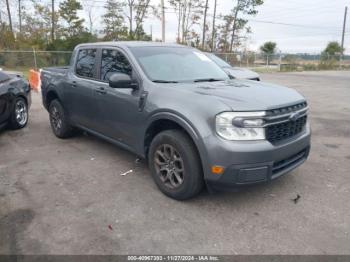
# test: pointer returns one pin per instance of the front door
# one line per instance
(118, 114)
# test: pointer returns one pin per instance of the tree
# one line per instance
(204, 23)
(268, 49)
(138, 12)
(68, 11)
(332, 52)
(9, 15)
(213, 31)
(113, 20)
(333, 48)
(131, 4)
(89, 7)
(188, 12)
(243, 7)
(142, 9)
(7, 39)
(37, 26)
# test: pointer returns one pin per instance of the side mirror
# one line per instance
(121, 80)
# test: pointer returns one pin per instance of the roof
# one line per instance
(131, 44)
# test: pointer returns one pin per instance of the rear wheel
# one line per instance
(59, 121)
(175, 165)
(19, 115)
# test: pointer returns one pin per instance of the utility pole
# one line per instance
(9, 15)
(213, 30)
(20, 16)
(343, 35)
(52, 20)
(204, 22)
(163, 20)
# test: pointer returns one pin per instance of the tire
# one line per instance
(59, 122)
(170, 152)
(19, 114)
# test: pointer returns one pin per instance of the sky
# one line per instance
(314, 24)
(297, 26)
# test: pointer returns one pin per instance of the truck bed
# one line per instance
(56, 69)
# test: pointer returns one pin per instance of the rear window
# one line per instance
(85, 65)
(3, 77)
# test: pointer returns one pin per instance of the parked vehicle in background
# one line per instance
(233, 71)
(175, 107)
(15, 100)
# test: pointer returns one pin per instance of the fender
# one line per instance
(46, 93)
(188, 127)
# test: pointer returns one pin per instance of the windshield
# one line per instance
(177, 64)
(218, 60)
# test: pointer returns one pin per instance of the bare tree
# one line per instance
(20, 16)
(52, 20)
(141, 9)
(213, 30)
(89, 8)
(130, 4)
(9, 15)
(245, 7)
(204, 23)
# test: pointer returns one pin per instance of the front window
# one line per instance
(177, 64)
(112, 62)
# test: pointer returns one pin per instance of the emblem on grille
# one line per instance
(294, 116)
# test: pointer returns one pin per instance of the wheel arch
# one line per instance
(165, 121)
(50, 96)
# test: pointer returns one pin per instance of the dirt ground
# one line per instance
(68, 197)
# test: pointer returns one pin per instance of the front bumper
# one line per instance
(252, 162)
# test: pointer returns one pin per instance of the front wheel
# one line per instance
(175, 165)
(19, 115)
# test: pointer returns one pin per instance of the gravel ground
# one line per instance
(68, 197)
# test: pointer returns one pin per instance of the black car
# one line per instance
(15, 99)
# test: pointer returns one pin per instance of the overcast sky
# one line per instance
(312, 23)
(320, 22)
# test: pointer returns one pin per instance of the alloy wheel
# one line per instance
(169, 166)
(21, 112)
(56, 118)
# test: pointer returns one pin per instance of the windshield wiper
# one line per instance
(164, 81)
(207, 80)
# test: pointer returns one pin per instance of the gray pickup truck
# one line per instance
(173, 106)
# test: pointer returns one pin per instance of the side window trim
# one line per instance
(95, 64)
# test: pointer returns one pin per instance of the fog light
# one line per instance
(218, 170)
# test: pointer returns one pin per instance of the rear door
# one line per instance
(80, 88)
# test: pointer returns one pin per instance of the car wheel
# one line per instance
(58, 120)
(175, 165)
(19, 115)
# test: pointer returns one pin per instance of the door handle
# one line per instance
(74, 84)
(101, 90)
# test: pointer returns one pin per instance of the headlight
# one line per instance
(240, 125)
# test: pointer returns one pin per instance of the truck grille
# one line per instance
(287, 128)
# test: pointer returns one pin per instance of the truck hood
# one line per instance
(240, 73)
(246, 95)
